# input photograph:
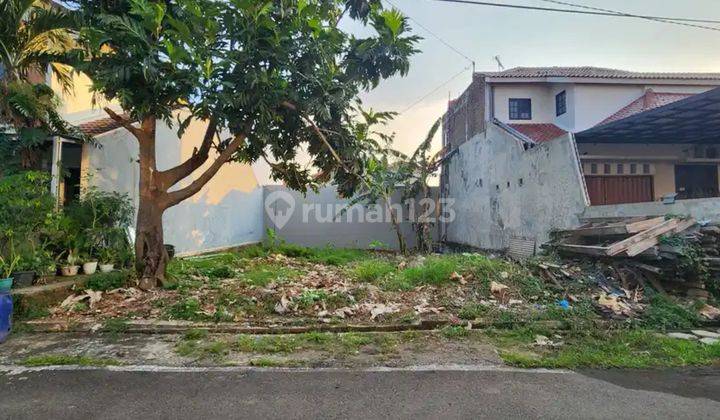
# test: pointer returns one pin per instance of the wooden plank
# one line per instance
(585, 249)
(640, 247)
(655, 231)
(637, 227)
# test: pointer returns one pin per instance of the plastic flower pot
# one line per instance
(90, 267)
(170, 249)
(6, 308)
(106, 268)
(69, 270)
(23, 278)
(6, 284)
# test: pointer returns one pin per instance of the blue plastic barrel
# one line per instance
(6, 310)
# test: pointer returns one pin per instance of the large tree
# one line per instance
(269, 77)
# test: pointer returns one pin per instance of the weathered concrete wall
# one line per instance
(465, 116)
(226, 212)
(502, 190)
(311, 221)
(700, 209)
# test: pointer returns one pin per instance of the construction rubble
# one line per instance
(672, 255)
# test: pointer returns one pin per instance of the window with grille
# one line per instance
(520, 109)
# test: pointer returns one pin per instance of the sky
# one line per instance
(532, 38)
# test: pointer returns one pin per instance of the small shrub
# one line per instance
(372, 270)
(195, 334)
(472, 311)
(108, 281)
(221, 272)
(310, 297)
(454, 332)
(435, 271)
(187, 309)
(664, 314)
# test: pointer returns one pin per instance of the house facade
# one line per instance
(607, 122)
(227, 212)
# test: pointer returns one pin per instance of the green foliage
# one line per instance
(472, 311)
(262, 275)
(309, 297)
(372, 270)
(663, 314)
(434, 271)
(454, 332)
(108, 281)
(63, 359)
(261, 70)
(614, 349)
(187, 308)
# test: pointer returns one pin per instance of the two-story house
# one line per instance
(626, 137)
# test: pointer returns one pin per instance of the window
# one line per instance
(620, 169)
(560, 103)
(520, 109)
(593, 168)
(633, 168)
(646, 168)
(606, 169)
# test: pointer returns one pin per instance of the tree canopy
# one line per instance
(275, 74)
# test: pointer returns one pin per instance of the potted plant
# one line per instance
(71, 266)
(107, 260)
(6, 269)
(90, 264)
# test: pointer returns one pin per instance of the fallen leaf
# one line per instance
(500, 291)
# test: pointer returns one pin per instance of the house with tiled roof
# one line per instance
(547, 145)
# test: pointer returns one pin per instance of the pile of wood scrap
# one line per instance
(622, 238)
(672, 254)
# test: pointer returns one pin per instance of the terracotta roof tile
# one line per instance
(650, 100)
(540, 132)
(99, 126)
(594, 72)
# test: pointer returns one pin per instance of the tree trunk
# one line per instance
(151, 257)
(396, 225)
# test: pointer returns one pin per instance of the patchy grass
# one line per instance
(371, 271)
(472, 311)
(664, 313)
(454, 332)
(64, 359)
(603, 349)
(198, 349)
(262, 275)
(108, 281)
(270, 362)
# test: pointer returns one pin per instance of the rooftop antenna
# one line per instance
(499, 63)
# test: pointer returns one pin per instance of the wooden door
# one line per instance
(619, 189)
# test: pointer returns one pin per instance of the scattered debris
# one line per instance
(500, 291)
(709, 312)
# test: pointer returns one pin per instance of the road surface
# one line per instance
(140, 392)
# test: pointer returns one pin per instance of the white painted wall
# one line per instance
(542, 108)
(587, 104)
(228, 211)
(501, 190)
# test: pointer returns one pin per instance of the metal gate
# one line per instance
(619, 189)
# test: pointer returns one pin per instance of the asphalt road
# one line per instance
(80, 394)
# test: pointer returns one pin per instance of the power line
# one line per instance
(582, 6)
(582, 12)
(443, 84)
(436, 36)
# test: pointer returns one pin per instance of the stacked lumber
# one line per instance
(639, 248)
(626, 238)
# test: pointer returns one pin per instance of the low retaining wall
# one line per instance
(700, 209)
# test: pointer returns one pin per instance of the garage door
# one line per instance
(619, 189)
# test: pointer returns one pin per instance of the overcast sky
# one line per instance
(534, 38)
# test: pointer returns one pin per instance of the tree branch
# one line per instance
(175, 197)
(319, 133)
(173, 175)
(124, 122)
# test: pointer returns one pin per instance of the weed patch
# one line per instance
(108, 281)
(663, 314)
(63, 359)
(372, 270)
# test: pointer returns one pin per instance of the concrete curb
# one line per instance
(177, 327)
